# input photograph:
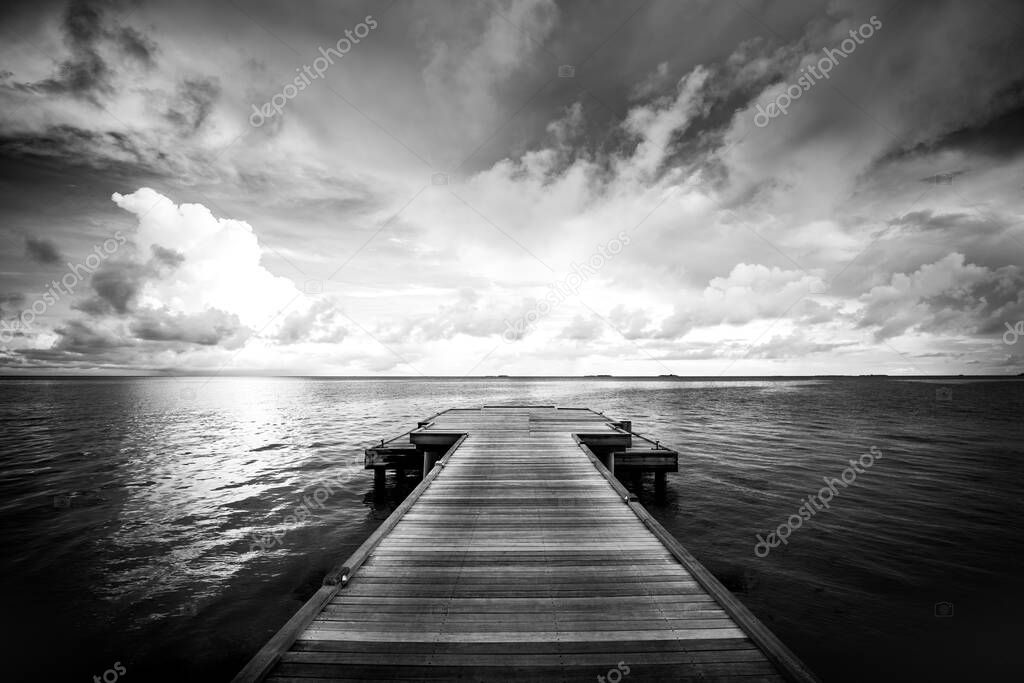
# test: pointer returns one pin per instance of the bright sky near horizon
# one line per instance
(512, 187)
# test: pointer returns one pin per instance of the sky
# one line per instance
(520, 187)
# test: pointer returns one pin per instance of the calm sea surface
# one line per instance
(130, 507)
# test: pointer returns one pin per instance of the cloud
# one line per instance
(87, 33)
(220, 262)
(653, 84)
(948, 297)
(11, 304)
(209, 328)
(656, 125)
(471, 314)
(465, 70)
(749, 292)
(320, 323)
(78, 337)
(583, 329)
(116, 286)
(193, 103)
(185, 281)
(633, 323)
(42, 250)
(794, 345)
(876, 182)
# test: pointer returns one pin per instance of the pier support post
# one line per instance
(611, 462)
(659, 484)
(380, 478)
(427, 464)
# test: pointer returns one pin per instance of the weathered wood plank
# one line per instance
(521, 558)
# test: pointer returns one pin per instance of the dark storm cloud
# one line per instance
(66, 145)
(151, 332)
(193, 103)
(163, 256)
(925, 101)
(85, 73)
(928, 219)
(77, 336)
(948, 297)
(944, 178)
(136, 45)
(1000, 137)
(209, 328)
(42, 250)
(117, 286)
(58, 142)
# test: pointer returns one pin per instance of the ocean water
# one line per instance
(131, 508)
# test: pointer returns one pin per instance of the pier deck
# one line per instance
(520, 557)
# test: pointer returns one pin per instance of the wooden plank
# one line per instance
(260, 665)
(520, 558)
(773, 648)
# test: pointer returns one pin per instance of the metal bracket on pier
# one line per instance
(337, 576)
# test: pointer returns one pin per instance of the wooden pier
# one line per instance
(520, 556)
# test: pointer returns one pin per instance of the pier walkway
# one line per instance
(520, 557)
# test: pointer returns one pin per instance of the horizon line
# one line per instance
(66, 375)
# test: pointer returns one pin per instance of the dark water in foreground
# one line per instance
(129, 508)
